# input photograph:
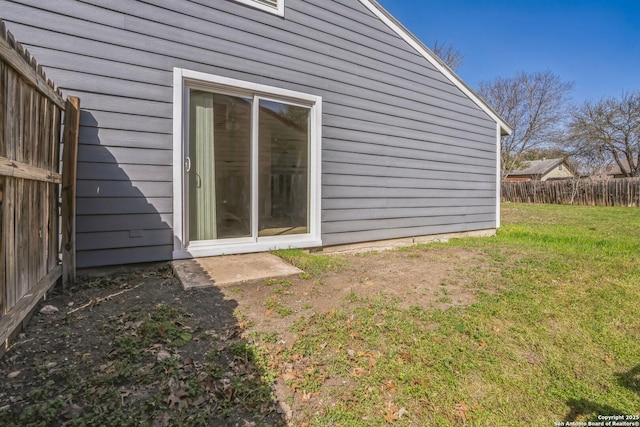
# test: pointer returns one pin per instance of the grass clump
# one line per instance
(559, 341)
(313, 265)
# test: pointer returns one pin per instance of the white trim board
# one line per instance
(382, 14)
(278, 9)
(498, 176)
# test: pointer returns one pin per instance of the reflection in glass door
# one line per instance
(283, 177)
(219, 166)
(225, 133)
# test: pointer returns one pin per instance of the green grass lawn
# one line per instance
(559, 341)
(552, 337)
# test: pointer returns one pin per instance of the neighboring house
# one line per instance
(542, 170)
(615, 171)
(215, 126)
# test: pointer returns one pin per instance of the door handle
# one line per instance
(187, 164)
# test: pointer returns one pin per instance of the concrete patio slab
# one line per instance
(231, 270)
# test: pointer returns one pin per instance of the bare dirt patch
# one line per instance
(195, 368)
(415, 277)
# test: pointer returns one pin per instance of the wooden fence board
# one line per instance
(22, 170)
(52, 215)
(613, 192)
(3, 108)
(19, 243)
(71, 132)
(10, 242)
(2, 246)
(12, 320)
(30, 121)
(16, 59)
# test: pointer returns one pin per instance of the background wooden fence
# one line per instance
(30, 127)
(613, 192)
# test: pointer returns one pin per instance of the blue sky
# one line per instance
(595, 44)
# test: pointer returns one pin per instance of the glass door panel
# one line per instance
(219, 166)
(283, 169)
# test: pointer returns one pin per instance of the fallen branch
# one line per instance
(95, 301)
(15, 344)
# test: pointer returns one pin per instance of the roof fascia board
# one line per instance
(423, 50)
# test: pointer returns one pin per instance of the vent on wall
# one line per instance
(270, 3)
(273, 6)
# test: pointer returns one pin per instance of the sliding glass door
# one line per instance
(283, 189)
(219, 166)
(247, 169)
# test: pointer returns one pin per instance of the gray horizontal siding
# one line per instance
(123, 239)
(383, 148)
(97, 66)
(90, 135)
(123, 172)
(343, 226)
(130, 122)
(405, 117)
(96, 223)
(110, 206)
(155, 39)
(394, 233)
(353, 191)
(406, 140)
(126, 105)
(401, 184)
(123, 155)
(382, 128)
(334, 203)
(295, 35)
(456, 164)
(126, 255)
(359, 169)
(123, 189)
(341, 215)
(437, 143)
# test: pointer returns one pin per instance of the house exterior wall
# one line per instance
(405, 152)
(559, 172)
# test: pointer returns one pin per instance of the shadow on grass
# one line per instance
(579, 408)
(136, 349)
(630, 379)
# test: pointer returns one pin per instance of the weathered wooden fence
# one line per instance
(612, 192)
(30, 127)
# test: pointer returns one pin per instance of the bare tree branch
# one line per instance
(534, 105)
(450, 56)
(608, 130)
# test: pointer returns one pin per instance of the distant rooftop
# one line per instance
(537, 167)
(614, 169)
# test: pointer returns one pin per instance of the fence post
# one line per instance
(69, 170)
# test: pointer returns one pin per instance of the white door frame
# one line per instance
(183, 81)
